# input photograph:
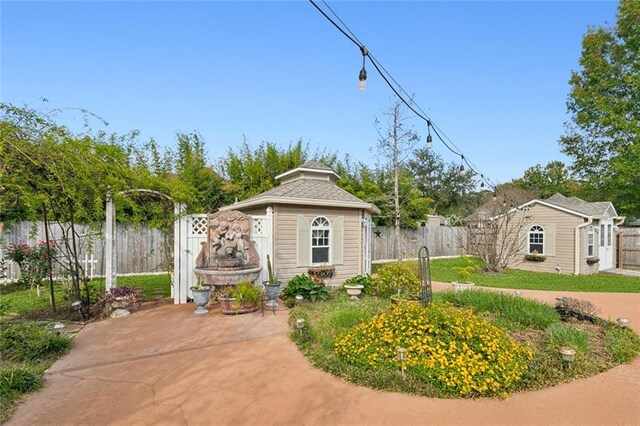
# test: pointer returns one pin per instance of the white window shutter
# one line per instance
(304, 242)
(337, 241)
(524, 240)
(550, 240)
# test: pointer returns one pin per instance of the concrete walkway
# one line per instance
(165, 366)
(619, 271)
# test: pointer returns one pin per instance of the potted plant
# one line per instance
(400, 299)
(201, 295)
(322, 271)
(534, 256)
(464, 275)
(272, 286)
(592, 260)
(241, 299)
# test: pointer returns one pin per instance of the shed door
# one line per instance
(606, 246)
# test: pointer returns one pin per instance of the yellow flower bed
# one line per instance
(451, 348)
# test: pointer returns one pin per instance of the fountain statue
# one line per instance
(228, 256)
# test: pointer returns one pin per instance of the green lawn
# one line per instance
(441, 270)
(20, 301)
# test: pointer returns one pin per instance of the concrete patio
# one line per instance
(165, 366)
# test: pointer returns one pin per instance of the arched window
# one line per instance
(320, 230)
(590, 239)
(536, 239)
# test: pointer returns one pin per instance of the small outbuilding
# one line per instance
(568, 235)
(315, 225)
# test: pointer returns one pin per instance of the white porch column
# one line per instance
(179, 282)
(110, 251)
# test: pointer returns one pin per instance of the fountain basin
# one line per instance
(217, 277)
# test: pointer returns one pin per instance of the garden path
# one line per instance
(165, 366)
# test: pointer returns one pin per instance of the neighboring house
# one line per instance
(574, 236)
(314, 223)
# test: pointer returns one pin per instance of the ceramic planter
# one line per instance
(462, 286)
(272, 290)
(231, 306)
(401, 300)
(354, 290)
(201, 298)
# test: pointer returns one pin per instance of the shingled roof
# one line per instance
(599, 209)
(307, 190)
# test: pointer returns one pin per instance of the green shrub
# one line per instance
(246, 292)
(394, 278)
(622, 344)
(15, 381)
(510, 312)
(31, 343)
(305, 286)
(295, 285)
(365, 281)
(452, 349)
(464, 272)
(561, 334)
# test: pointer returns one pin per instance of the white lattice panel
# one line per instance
(198, 226)
(258, 227)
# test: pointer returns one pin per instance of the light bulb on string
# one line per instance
(429, 138)
(362, 85)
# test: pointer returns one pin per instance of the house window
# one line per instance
(536, 239)
(590, 239)
(320, 230)
(602, 232)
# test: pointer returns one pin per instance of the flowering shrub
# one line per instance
(394, 277)
(451, 348)
(32, 260)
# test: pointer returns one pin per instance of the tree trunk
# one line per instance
(396, 192)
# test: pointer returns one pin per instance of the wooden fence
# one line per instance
(628, 248)
(140, 249)
(440, 240)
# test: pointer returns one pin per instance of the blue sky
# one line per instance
(492, 75)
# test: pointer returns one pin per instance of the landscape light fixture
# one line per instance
(568, 355)
(362, 85)
(300, 324)
(623, 322)
(429, 138)
(402, 357)
(299, 299)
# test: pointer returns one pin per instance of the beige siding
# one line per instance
(585, 268)
(564, 225)
(286, 241)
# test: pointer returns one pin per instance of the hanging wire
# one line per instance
(411, 104)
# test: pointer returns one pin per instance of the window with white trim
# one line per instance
(320, 237)
(536, 239)
(590, 240)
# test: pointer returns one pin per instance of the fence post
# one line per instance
(110, 257)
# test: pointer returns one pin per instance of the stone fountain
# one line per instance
(228, 257)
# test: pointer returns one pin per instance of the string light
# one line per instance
(362, 85)
(415, 108)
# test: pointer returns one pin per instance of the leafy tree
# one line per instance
(552, 178)
(604, 132)
(452, 191)
(248, 172)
